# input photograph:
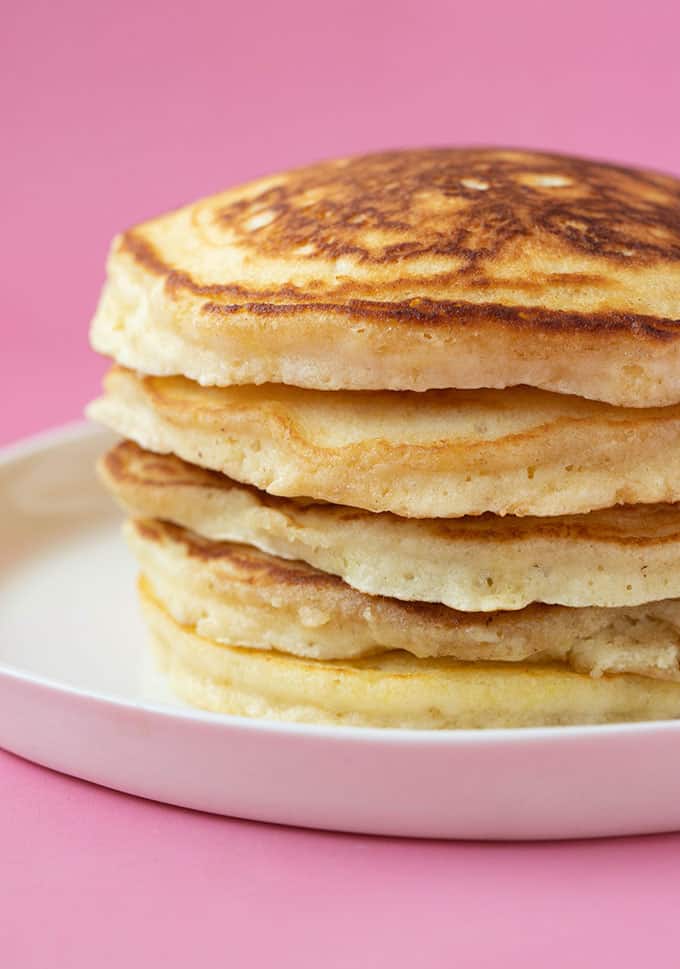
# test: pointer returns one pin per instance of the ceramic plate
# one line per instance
(77, 695)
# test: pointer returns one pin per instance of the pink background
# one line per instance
(110, 117)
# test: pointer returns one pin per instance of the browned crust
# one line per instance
(414, 312)
(254, 565)
(129, 464)
(426, 203)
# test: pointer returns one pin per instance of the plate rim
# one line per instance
(73, 431)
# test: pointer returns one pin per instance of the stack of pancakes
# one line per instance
(403, 440)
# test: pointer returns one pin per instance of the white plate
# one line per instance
(75, 696)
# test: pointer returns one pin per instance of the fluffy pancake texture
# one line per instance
(435, 454)
(411, 270)
(239, 596)
(613, 557)
(394, 689)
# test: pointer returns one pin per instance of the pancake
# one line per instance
(239, 596)
(412, 270)
(612, 557)
(430, 455)
(394, 689)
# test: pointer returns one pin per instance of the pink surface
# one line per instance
(112, 117)
(97, 879)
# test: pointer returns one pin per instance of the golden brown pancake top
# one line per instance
(466, 204)
(412, 270)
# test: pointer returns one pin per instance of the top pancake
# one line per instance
(410, 270)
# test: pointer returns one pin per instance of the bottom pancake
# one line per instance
(394, 689)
